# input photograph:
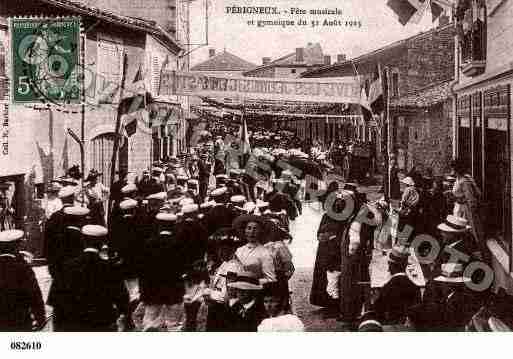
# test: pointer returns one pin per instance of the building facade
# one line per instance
(291, 65)
(36, 145)
(482, 120)
(420, 70)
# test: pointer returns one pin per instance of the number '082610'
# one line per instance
(26, 345)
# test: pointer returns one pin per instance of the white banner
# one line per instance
(326, 90)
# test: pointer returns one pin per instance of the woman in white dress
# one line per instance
(253, 256)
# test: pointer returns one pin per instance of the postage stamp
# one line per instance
(45, 54)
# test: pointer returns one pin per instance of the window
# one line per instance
(395, 84)
(293, 71)
(471, 30)
(110, 65)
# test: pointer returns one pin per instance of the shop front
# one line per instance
(484, 142)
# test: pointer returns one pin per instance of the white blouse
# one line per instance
(257, 259)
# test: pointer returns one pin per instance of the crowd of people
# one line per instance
(211, 231)
(347, 246)
(178, 238)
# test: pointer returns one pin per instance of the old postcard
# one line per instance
(254, 166)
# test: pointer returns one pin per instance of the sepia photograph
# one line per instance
(254, 166)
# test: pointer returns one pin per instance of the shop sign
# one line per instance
(499, 124)
(330, 90)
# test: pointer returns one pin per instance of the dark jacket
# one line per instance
(63, 244)
(95, 294)
(395, 298)
(237, 321)
(20, 295)
(161, 273)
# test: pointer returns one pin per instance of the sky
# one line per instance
(379, 27)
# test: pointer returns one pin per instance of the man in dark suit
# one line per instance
(63, 241)
(20, 295)
(399, 293)
(204, 167)
(96, 294)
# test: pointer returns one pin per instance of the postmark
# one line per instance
(45, 58)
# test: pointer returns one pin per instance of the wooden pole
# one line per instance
(116, 137)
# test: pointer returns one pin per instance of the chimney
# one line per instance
(444, 20)
(300, 54)
(327, 60)
(211, 53)
(341, 58)
(266, 60)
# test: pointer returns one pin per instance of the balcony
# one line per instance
(473, 68)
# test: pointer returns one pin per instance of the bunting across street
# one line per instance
(329, 90)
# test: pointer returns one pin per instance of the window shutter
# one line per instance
(155, 74)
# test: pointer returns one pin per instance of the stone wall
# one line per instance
(430, 139)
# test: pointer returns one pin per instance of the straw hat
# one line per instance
(94, 231)
(454, 224)
(408, 181)
(452, 273)
(246, 281)
(11, 235)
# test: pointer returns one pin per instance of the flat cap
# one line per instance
(94, 231)
(11, 235)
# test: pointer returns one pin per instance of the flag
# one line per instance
(412, 11)
(376, 96)
(244, 137)
(437, 9)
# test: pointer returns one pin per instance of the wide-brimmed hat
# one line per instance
(246, 281)
(454, 224)
(452, 273)
(408, 181)
(93, 174)
(240, 222)
(399, 255)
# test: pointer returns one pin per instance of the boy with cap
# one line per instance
(399, 293)
(246, 311)
(20, 293)
(96, 295)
